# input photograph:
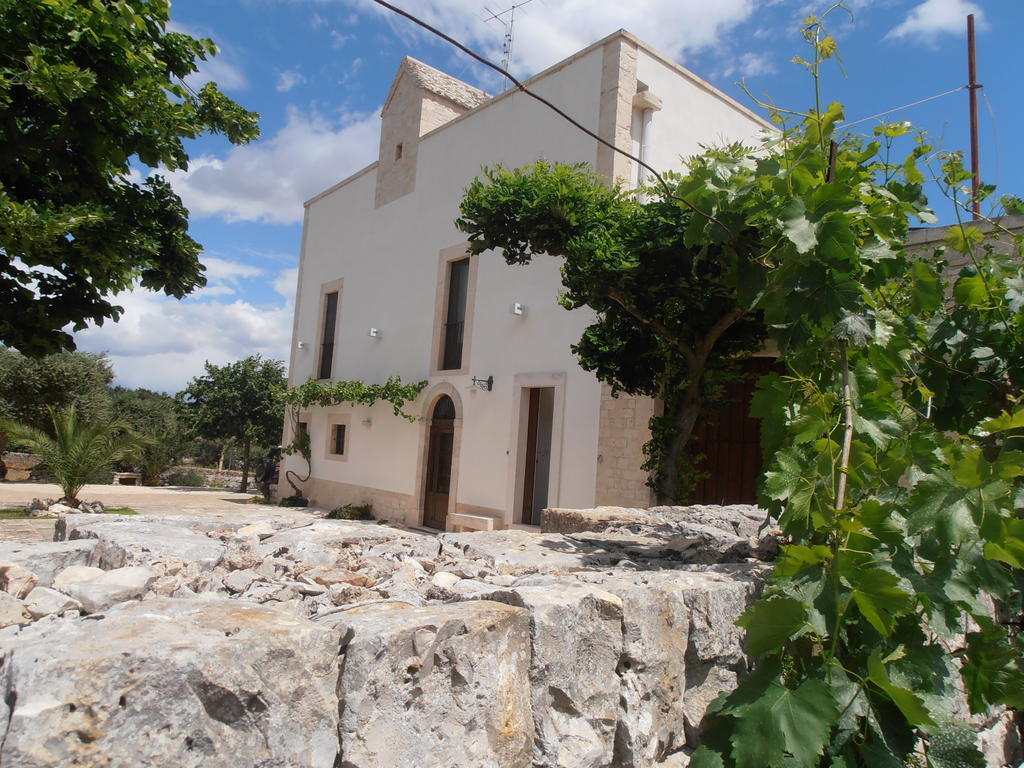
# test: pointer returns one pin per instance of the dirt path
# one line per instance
(210, 502)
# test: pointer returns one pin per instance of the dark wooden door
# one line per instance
(731, 441)
(440, 447)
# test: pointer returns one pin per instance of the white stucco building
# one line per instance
(386, 287)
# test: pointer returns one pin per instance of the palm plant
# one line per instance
(79, 449)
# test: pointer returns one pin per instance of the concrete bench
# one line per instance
(127, 478)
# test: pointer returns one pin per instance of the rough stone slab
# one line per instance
(111, 588)
(43, 601)
(321, 543)
(576, 637)
(76, 574)
(47, 559)
(680, 648)
(440, 686)
(16, 580)
(557, 520)
(134, 541)
(184, 683)
(12, 611)
(524, 552)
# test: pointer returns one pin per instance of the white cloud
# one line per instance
(161, 343)
(548, 32)
(269, 180)
(749, 65)
(288, 79)
(932, 18)
(338, 39)
(317, 21)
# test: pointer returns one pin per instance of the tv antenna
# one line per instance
(506, 58)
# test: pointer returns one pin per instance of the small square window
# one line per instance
(398, 151)
(338, 440)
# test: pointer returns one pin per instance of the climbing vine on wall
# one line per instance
(895, 454)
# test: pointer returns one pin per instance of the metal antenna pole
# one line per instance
(972, 90)
(506, 59)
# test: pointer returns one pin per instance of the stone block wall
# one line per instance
(622, 432)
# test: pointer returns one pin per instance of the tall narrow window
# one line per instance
(327, 345)
(338, 440)
(455, 317)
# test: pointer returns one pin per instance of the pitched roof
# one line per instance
(437, 82)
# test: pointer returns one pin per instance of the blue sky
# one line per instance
(318, 71)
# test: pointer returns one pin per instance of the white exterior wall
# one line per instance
(693, 113)
(388, 258)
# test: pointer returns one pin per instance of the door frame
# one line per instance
(433, 394)
(516, 474)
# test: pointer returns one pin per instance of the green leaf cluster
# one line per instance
(323, 395)
(89, 91)
(894, 448)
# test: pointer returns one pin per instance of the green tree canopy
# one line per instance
(239, 401)
(154, 416)
(668, 323)
(86, 90)
(30, 387)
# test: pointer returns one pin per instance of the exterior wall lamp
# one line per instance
(519, 309)
(485, 384)
(300, 345)
(375, 333)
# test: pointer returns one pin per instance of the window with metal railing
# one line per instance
(455, 316)
(327, 336)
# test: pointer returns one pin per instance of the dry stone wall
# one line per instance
(181, 641)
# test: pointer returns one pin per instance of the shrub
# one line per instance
(190, 477)
(295, 500)
(351, 512)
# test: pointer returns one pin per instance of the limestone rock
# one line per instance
(43, 601)
(12, 611)
(445, 580)
(140, 541)
(76, 574)
(441, 686)
(184, 683)
(47, 559)
(576, 639)
(112, 587)
(62, 509)
(16, 580)
(92, 507)
(239, 581)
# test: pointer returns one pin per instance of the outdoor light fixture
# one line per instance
(485, 384)
(376, 333)
(518, 309)
(301, 345)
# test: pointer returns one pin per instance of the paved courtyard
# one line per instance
(209, 502)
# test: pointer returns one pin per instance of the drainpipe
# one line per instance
(648, 103)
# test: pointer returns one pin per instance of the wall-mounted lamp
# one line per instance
(485, 384)
(367, 422)
(518, 309)
(300, 345)
(375, 333)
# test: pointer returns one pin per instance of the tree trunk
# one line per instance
(220, 462)
(245, 465)
(686, 421)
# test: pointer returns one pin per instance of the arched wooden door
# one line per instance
(440, 447)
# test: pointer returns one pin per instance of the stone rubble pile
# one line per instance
(53, 508)
(184, 641)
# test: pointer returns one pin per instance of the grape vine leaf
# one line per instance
(770, 623)
(783, 720)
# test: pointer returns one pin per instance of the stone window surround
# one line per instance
(334, 419)
(515, 474)
(445, 257)
(326, 288)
